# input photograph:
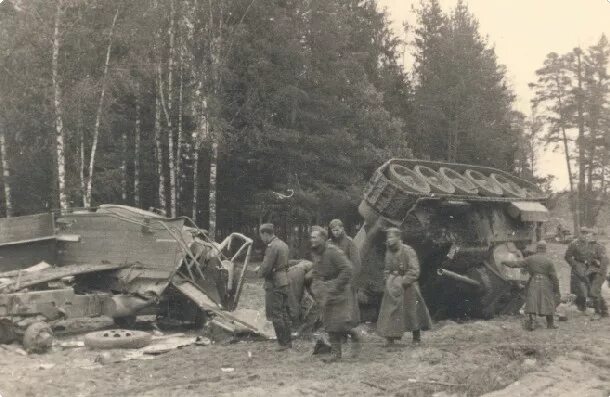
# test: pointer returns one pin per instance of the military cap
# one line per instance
(335, 223)
(541, 245)
(266, 228)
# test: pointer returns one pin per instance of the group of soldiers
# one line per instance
(336, 262)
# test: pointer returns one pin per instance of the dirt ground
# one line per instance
(497, 357)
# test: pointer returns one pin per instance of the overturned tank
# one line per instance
(463, 221)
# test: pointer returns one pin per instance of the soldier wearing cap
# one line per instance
(589, 265)
(402, 307)
(274, 270)
(542, 292)
(332, 289)
(339, 238)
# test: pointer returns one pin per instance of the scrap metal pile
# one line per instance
(114, 261)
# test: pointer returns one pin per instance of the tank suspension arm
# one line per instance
(457, 277)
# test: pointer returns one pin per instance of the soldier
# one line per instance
(331, 286)
(589, 265)
(402, 307)
(339, 238)
(542, 295)
(343, 241)
(274, 270)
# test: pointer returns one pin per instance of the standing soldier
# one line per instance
(589, 265)
(339, 238)
(274, 270)
(343, 241)
(542, 295)
(402, 307)
(331, 286)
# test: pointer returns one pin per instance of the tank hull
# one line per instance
(466, 234)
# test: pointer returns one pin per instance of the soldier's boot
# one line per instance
(550, 322)
(530, 323)
(389, 342)
(603, 307)
(335, 348)
(581, 303)
(356, 343)
(416, 337)
(282, 332)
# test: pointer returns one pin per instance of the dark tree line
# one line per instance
(236, 111)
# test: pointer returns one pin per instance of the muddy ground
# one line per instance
(474, 358)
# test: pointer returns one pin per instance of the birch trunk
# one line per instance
(6, 175)
(212, 197)
(136, 152)
(158, 145)
(124, 166)
(580, 120)
(170, 133)
(98, 116)
(179, 141)
(59, 125)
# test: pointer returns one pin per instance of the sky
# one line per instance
(522, 33)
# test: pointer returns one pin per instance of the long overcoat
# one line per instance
(542, 290)
(346, 244)
(331, 286)
(402, 308)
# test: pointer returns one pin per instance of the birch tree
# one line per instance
(59, 125)
(6, 173)
(98, 116)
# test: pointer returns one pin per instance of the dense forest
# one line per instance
(234, 112)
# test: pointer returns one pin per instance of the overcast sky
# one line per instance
(523, 32)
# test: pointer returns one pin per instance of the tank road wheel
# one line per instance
(437, 182)
(408, 179)
(487, 186)
(510, 188)
(38, 337)
(461, 184)
(117, 339)
(7, 331)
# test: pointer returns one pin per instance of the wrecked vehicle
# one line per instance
(463, 221)
(115, 261)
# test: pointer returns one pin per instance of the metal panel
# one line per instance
(106, 238)
(530, 211)
(24, 229)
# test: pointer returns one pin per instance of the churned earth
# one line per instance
(470, 359)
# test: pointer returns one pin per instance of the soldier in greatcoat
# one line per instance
(331, 286)
(589, 263)
(542, 290)
(402, 308)
(274, 270)
(339, 238)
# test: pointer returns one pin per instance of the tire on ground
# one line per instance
(486, 186)
(38, 337)
(117, 339)
(461, 184)
(408, 179)
(510, 188)
(438, 183)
